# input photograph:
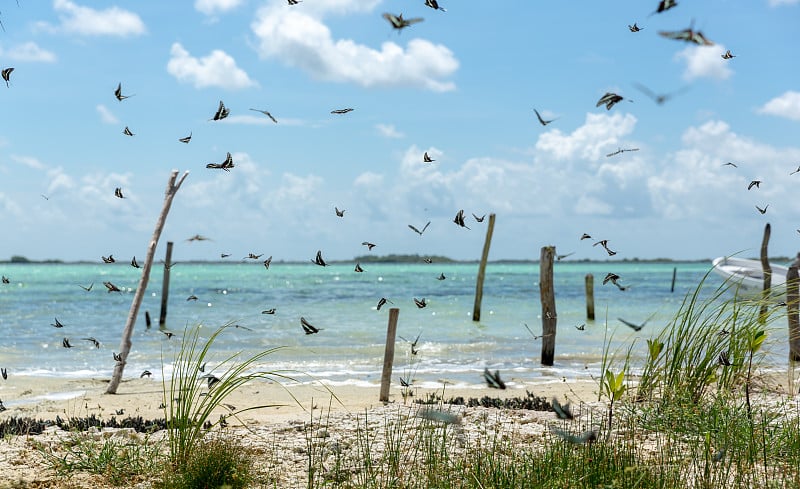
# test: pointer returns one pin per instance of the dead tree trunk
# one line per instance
(125, 343)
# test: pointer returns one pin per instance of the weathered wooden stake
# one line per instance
(792, 300)
(793, 309)
(125, 342)
(476, 311)
(162, 318)
(147, 321)
(767, 275)
(388, 354)
(674, 274)
(548, 298)
(590, 297)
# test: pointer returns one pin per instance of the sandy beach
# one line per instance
(341, 409)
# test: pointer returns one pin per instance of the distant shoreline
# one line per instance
(388, 259)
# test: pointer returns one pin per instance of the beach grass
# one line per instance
(699, 412)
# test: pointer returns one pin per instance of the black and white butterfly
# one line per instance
(318, 259)
(399, 23)
(420, 231)
(221, 113)
(308, 327)
(118, 93)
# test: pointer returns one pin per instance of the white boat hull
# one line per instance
(748, 275)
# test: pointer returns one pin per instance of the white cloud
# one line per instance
(28, 51)
(598, 136)
(778, 3)
(106, 115)
(211, 7)
(299, 38)
(113, 21)
(786, 105)
(29, 161)
(705, 62)
(389, 131)
(218, 69)
(692, 183)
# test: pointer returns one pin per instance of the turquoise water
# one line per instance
(350, 346)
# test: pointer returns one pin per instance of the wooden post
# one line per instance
(388, 354)
(147, 321)
(674, 274)
(548, 299)
(125, 343)
(767, 275)
(589, 296)
(162, 318)
(792, 308)
(476, 311)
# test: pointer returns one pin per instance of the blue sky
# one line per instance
(461, 85)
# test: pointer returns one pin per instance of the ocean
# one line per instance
(349, 348)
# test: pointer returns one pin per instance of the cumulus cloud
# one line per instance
(389, 131)
(705, 62)
(106, 115)
(786, 105)
(218, 69)
(598, 136)
(692, 183)
(28, 51)
(299, 38)
(211, 7)
(86, 21)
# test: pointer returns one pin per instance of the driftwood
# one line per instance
(125, 343)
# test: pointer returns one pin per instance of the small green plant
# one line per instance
(215, 463)
(117, 459)
(614, 386)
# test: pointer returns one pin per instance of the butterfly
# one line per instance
(728, 55)
(609, 100)
(221, 113)
(459, 219)
(426, 158)
(6, 73)
(434, 5)
(634, 27)
(57, 324)
(341, 111)
(687, 35)
(186, 139)
(479, 219)
(542, 121)
(420, 303)
(493, 380)
(118, 193)
(134, 263)
(634, 326)
(268, 311)
(127, 132)
(118, 93)
(417, 230)
(318, 260)
(308, 327)
(266, 114)
(399, 23)
(268, 262)
(111, 287)
(369, 245)
(382, 302)
(358, 268)
(665, 5)
(108, 259)
(225, 165)
(339, 212)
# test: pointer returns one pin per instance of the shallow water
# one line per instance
(350, 346)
